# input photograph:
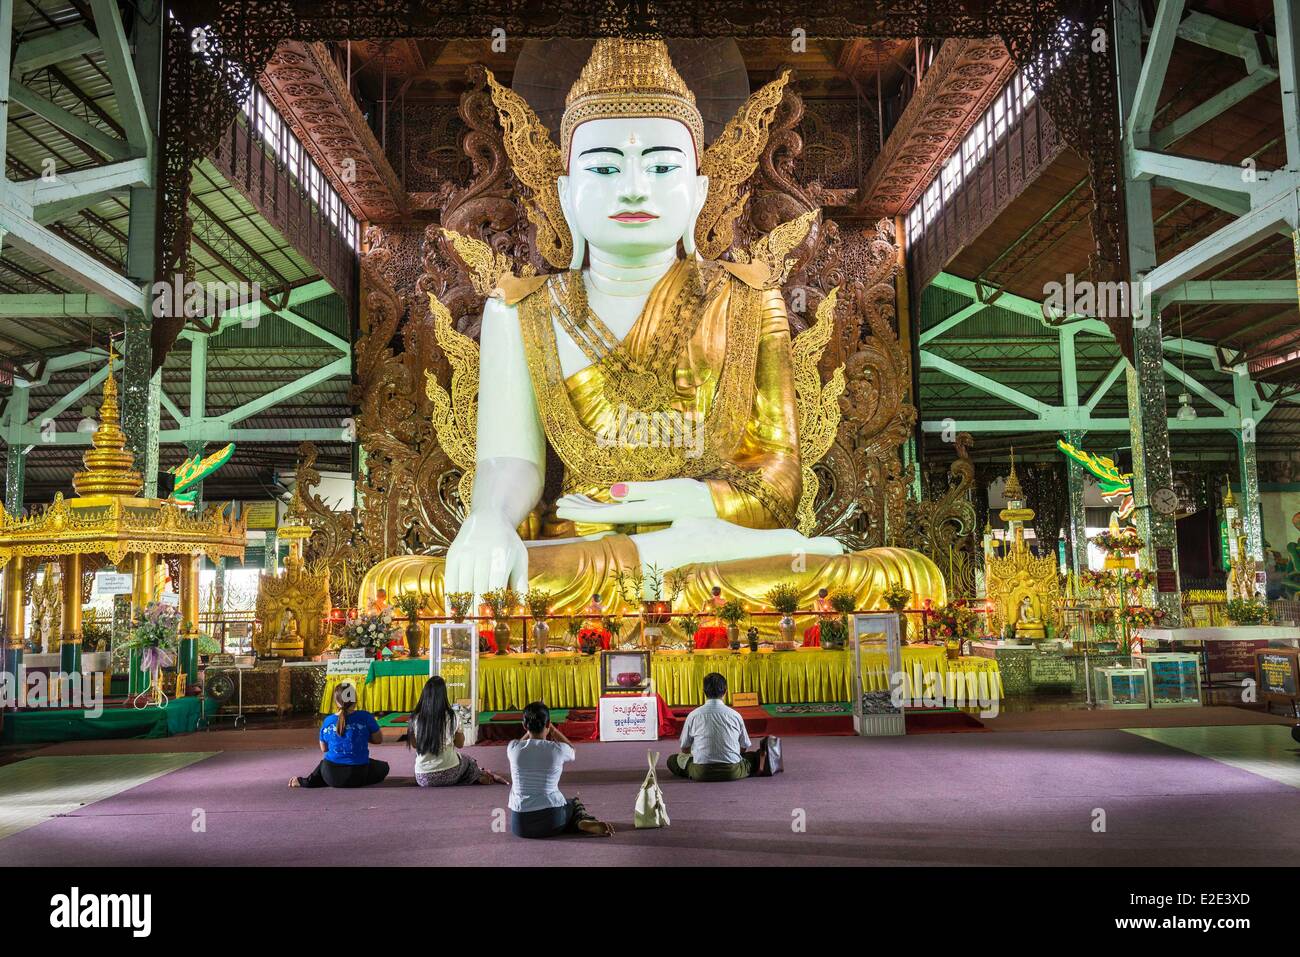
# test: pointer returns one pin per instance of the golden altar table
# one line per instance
(570, 680)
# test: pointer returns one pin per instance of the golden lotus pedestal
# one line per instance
(573, 572)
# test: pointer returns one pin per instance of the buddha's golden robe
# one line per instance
(730, 421)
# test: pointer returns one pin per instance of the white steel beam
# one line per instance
(1064, 423)
(1190, 384)
(66, 259)
(952, 322)
(996, 389)
(1288, 67)
(65, 401)
(70, 123)
(86, 186)
(1225, 243)
(54, 47)
(1216, 105)
(1221, 291)
(1154, 65)
(40, 305)
(341, 366)
(1105, 385)
(121, 72)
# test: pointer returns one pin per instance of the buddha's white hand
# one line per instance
(642, 503)
(714, 540)
(487, 553)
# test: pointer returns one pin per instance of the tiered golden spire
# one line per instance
(625, 78)
(1012, 491)
(108, 462)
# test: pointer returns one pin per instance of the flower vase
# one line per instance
(733, 636)
(414, 640)
(786, 627)
(541, 635)
(501, 634)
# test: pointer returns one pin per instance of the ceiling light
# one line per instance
(1185, 411)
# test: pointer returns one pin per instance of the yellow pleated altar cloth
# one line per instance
(565, 680)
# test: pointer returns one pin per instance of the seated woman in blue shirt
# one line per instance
(345, 737)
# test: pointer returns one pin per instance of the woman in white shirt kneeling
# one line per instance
(537, 808)
(435, 735)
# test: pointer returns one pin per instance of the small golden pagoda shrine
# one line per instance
(1025, 590)
(292, 607)
(108, 518)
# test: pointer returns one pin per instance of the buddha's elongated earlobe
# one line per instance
(579, 256)
(701, 193)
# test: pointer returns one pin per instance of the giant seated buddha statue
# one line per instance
(665, 383)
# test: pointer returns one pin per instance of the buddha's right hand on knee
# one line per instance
(487, 553)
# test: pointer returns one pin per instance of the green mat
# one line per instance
(822, 709)
(42, 727)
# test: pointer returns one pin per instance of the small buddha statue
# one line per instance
(712, 632)
(812, 637)
(1028, 623)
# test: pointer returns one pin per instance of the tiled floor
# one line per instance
(37, 789)
(1264, 749)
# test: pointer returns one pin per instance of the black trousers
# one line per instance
(549, 821)
(331, 775)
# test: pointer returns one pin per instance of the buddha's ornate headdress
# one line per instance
(634, 78)
(627, 78)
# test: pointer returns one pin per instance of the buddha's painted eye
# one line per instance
(603, 170)
(662, 168)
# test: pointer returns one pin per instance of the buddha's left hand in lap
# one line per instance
(692, 540)
(642, 503)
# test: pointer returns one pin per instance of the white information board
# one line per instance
(629, 718)
(113, 583)
(878, 711)
(453, 653)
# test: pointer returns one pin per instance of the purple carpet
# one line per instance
(1010, 799)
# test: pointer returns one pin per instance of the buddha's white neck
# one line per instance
(628, 277)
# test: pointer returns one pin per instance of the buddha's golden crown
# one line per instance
(626, 78)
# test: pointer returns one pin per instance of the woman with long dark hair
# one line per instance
(345, 737)
(435, 735)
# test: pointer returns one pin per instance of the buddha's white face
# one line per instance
(633, 188)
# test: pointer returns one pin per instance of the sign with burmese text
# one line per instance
(629, 718)
(260, 515)
(1279, 673)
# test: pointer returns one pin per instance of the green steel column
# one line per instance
(1076, 531)
(1147, 405)
(140, 400)
(271, 557)
(1243, 391)
(1248, 501)
(15, 451)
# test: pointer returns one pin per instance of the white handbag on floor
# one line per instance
(650, 810)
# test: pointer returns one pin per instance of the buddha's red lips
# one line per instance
(633, 217)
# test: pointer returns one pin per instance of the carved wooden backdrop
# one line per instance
(214, 49)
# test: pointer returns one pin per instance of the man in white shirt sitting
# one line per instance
(714, 740)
